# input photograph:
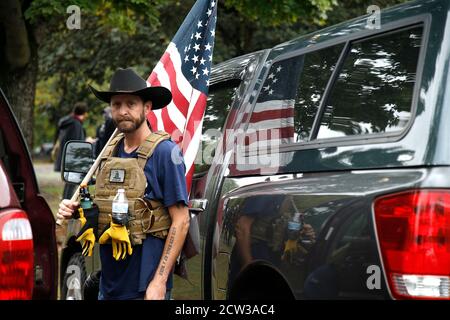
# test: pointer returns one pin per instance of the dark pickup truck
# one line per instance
(330, 178)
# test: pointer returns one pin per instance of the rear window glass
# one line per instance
(316, 73)
(373, 92)
(217, 108)
(290, 97)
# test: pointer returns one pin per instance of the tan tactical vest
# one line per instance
(145, 216)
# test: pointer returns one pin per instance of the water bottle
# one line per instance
(85, 197)
(295, 226)
(120, 208)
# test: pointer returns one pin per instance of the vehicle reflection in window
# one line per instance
(373, 92)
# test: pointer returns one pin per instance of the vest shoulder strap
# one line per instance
(112, 146)
(147, 148)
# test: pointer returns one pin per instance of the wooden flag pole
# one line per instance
(90, 173)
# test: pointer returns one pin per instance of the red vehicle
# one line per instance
(28, 253)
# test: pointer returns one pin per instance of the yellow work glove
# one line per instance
(89, 224)
(290, 248)
(120, 240)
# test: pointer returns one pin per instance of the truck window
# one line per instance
(373, 92)
(317, 70)
(290, 97)
(218, 105)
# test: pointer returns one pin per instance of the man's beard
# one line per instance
(128, 124)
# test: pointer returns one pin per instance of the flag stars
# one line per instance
(270, 92)
(266, 88)
(198, 51)
(279, 69)
(274, 80)
(195, 48)
(271, 76)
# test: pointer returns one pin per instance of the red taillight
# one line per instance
(413, 229)
(16, 256)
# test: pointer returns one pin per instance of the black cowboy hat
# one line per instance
(126, 81)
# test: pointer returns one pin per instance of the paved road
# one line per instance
(51, 187)
(45, 174)
(50, 184)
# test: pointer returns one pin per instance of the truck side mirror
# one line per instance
(77, 159)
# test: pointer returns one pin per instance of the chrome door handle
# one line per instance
(197, 206)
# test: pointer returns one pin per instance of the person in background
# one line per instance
(104, 131)
(70, 127)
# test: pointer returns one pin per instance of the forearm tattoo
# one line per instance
(165, 258)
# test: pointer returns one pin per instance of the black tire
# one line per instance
(74, 278)
(91, 286)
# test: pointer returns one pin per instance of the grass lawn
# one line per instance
(188, 290)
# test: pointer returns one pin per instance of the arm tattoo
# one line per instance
(168, 251)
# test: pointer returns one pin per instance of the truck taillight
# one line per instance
(16, 256)
(413, 230)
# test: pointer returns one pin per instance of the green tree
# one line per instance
(70, 59)
(35, 43)
(249, 25)
(25, 27)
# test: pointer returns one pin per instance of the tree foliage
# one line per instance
(25, 29)
(122, 33)
(123, 14)
(275, 13)
(113, 34)
(71, 60)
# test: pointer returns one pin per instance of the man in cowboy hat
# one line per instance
(143, 271)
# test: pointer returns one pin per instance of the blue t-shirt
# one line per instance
(166, 182)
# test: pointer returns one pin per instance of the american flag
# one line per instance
(184, 69)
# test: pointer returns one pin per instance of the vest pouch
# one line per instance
(148, 219)
(140, 221)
